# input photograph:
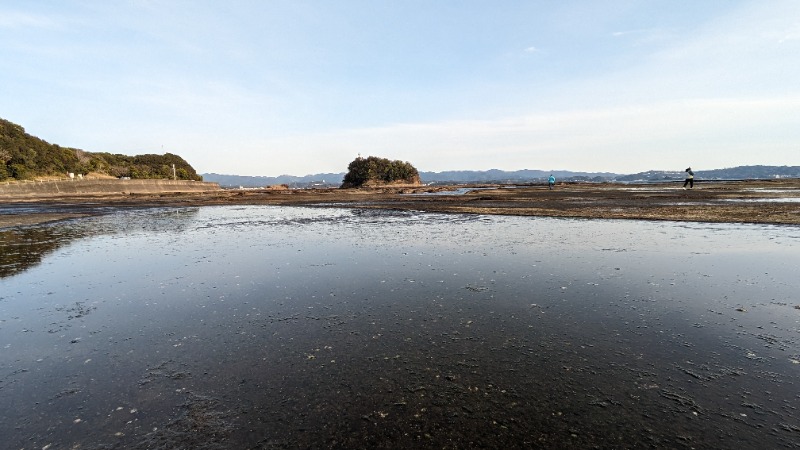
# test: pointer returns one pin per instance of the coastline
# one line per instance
(757, 201)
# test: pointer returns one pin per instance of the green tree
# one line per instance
(362, 171)
(18, 171)
(23, 155)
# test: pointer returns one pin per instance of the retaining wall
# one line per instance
(22, 189)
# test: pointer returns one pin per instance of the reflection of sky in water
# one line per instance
(23, 248)
(204, 290)
(774, 191)
(458, 191)
(177, 256)
(764, 200)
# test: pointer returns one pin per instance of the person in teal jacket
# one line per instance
(551, 181)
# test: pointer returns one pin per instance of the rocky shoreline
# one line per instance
(760, 201)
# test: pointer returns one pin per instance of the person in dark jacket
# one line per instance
(689, 178)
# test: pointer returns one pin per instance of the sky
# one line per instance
(272, 87)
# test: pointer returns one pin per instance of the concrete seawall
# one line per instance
(44, 189)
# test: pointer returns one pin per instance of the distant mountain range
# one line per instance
(450, 177)
(316, 180)
(517, 176)
(733, 173)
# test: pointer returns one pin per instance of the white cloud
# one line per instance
(704, 133)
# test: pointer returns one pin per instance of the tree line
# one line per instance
(363, 171)
(24, 157)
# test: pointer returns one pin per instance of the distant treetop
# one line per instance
(375, 171)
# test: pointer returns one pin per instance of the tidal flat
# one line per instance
(257, 327)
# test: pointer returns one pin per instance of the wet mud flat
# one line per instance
(753, 201)
(284, 327)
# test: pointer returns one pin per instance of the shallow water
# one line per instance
(765, 200)
(457, 191)
(277, 327)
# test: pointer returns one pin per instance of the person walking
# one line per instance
(689, 178)
(551, 181)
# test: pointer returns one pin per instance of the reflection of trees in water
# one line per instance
(24, 248)
(21, 249)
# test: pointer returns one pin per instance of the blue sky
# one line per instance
(299, 87)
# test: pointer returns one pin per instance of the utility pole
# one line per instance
(174, 177)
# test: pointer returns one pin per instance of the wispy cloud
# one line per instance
(710, 91)
(629, 32)
(696, 132)
(13, 19)
(792, 34)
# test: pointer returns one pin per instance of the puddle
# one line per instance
(281, 327)
(773, 191)
(764, 200)
(652, 189)
(458, 191)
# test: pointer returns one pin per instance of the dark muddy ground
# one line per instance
(280, 327)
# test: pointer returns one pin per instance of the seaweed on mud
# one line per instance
(164, 370)
(200, 425)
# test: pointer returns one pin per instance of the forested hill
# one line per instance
(25, 157)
